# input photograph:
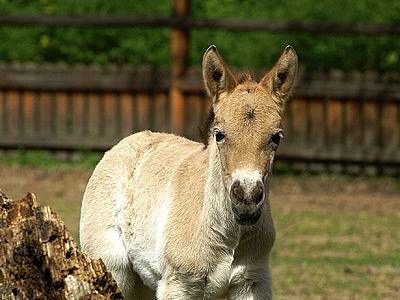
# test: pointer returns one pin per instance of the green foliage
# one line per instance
(259, 49)
(84, 45)
(255, 50)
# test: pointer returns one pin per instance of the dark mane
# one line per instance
(243, 77)
(205, 128)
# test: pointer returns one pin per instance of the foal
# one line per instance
(176, 219)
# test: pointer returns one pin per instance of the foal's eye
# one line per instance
(276, 139)
(219, 136)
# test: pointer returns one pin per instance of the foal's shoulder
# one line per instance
(129, 151)
(150, 139)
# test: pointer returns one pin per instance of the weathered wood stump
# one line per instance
(40, 260)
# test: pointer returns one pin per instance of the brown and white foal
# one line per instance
(175, 219)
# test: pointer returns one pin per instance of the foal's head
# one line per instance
(246, 127)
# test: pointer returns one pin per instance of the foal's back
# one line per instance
(128, 196)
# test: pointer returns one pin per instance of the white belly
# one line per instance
(147, 243)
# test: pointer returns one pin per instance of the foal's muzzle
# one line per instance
(247, 198)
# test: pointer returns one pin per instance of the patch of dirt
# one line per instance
(62, 190)
(48, 185)
(329, 193)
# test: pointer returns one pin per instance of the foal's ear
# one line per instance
(216, 74)
(281, 78)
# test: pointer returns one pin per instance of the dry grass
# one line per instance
(337, 237)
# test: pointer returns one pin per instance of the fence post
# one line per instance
(179, 63)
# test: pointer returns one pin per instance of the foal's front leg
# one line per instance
(178, 285)
(251, 282)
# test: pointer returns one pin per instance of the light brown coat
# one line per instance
(158, 208)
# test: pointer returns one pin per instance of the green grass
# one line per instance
(336, 255)
(51, 160)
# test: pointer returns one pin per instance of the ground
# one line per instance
(337, 236)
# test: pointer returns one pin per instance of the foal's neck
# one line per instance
(217, 215)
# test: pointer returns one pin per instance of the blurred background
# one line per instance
(77, 76)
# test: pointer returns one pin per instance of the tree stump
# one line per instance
(40, 260)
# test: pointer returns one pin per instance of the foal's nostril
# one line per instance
(237, 191)
(258, 193)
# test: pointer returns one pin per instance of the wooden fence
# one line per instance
(337, 119)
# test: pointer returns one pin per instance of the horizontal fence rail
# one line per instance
(335, 118)
(203, 23)
(50, 77)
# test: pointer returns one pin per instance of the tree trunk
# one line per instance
(40, 260)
